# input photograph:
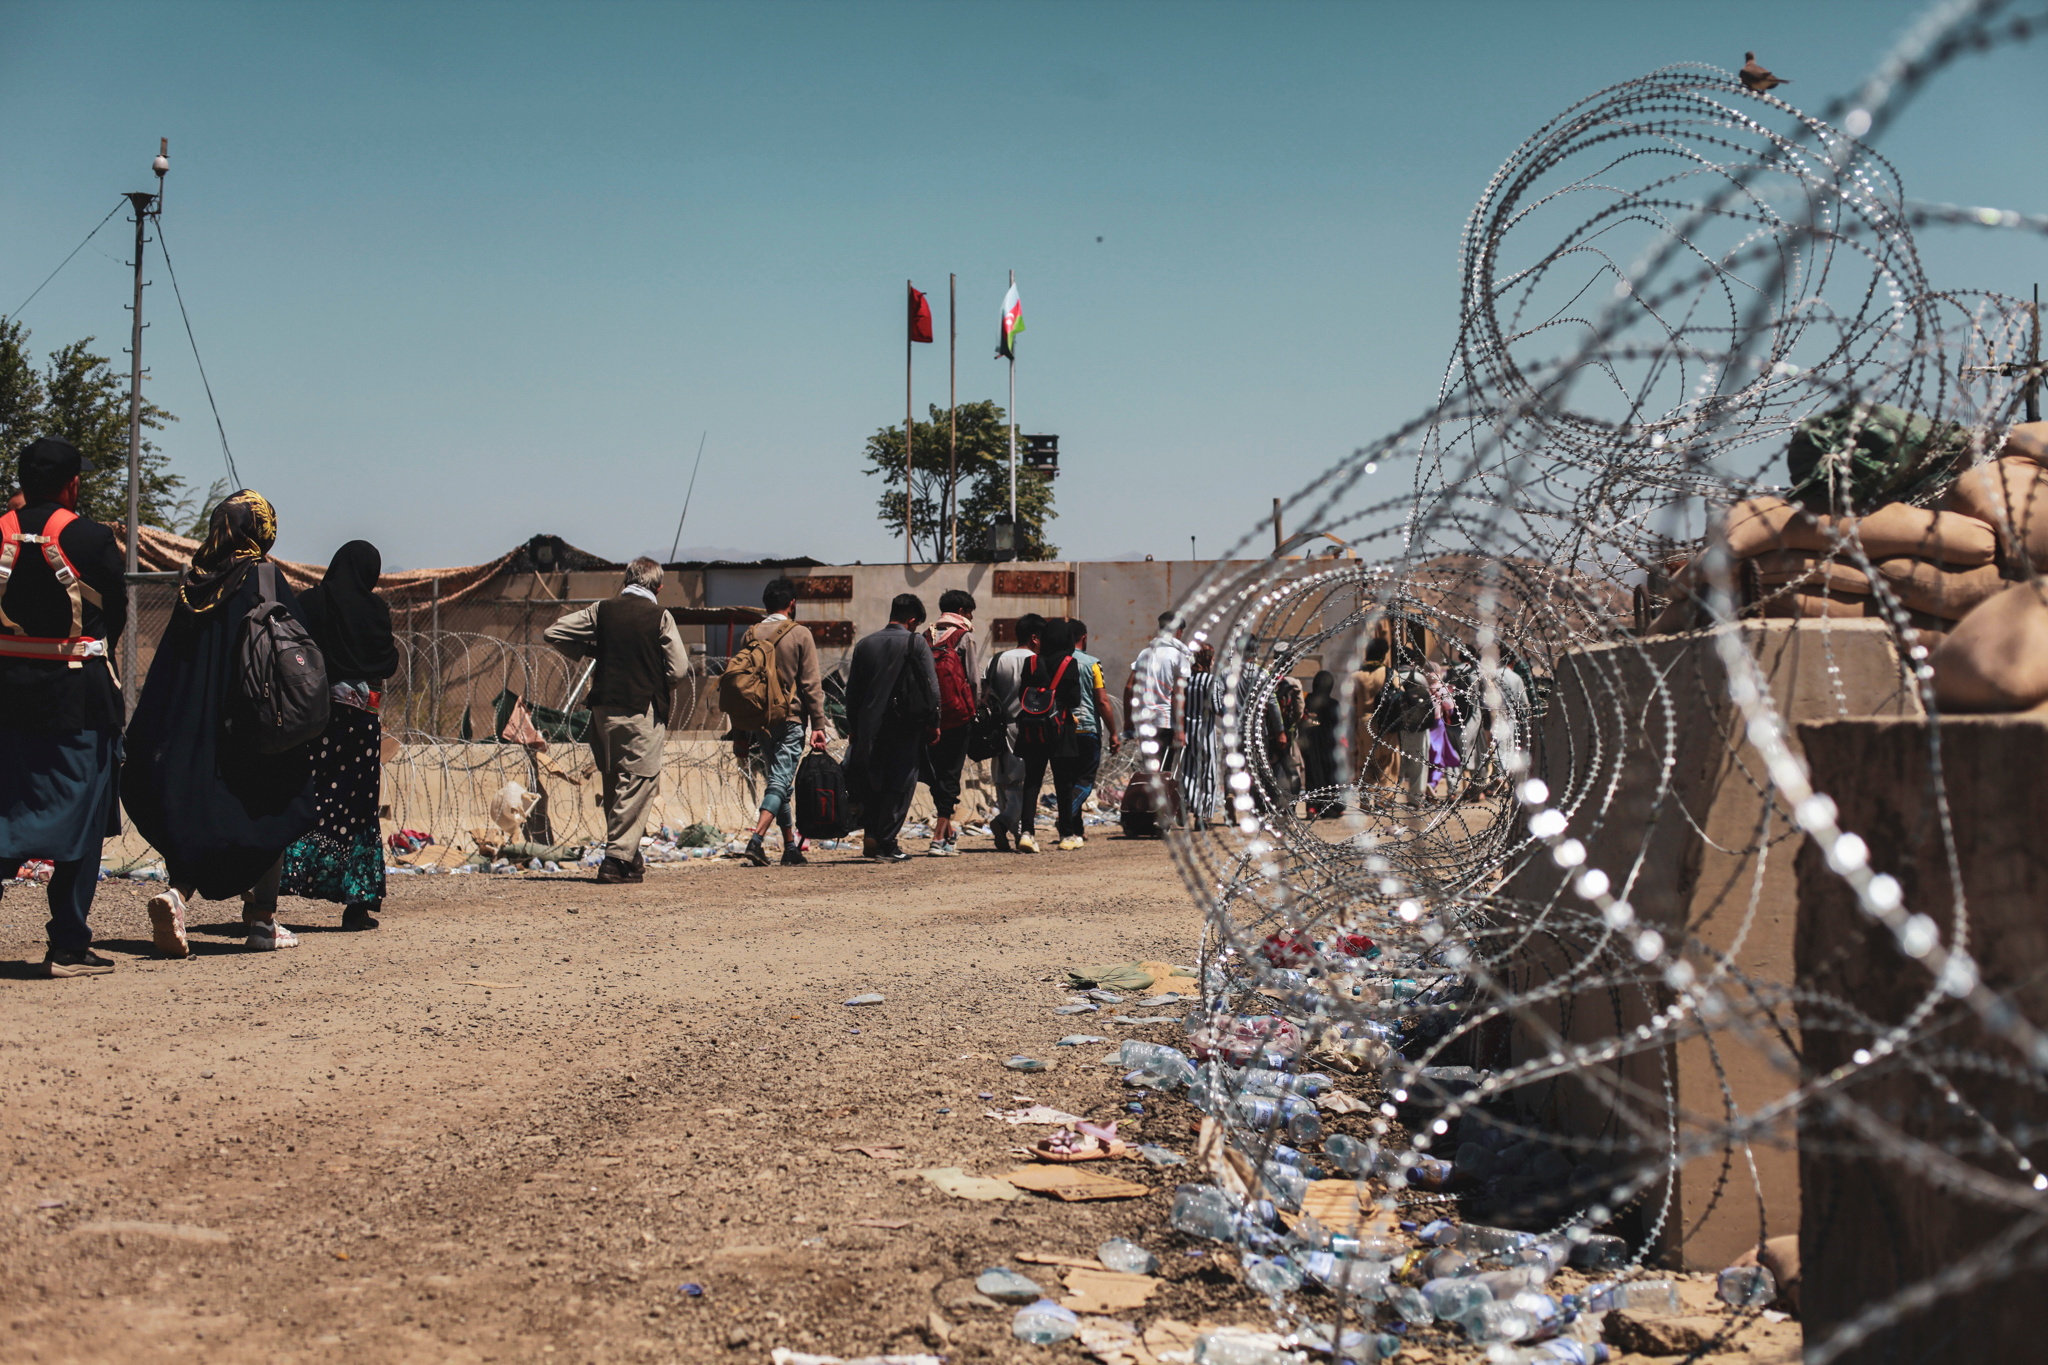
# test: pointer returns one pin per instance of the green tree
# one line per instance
(21, 395)
(982, 487)
(86, 403)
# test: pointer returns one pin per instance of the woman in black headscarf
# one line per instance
(1319, 746)
(342, 859)
(220, 813)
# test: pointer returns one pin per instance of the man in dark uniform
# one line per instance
(63, 605)
(892, 712)
(640, 659)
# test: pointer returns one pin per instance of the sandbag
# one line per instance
(1761, 525)
(2011, 495)
(1996, 658)
(1757, 525)
(1775, 568)
(1949, 594)
(1799, 604)
(2028, 440)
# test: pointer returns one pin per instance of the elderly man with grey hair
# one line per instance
(639, 660)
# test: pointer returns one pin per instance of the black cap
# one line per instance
(49, 463)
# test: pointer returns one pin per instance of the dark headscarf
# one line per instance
(350, 623)
(239, 534)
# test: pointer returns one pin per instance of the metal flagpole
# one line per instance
(952, 510)
(1013, 423)
(909, 293)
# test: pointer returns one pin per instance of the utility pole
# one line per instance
(1277, 537)
(953, 417)
(144, 204)
(909, 468)
(2034, 363)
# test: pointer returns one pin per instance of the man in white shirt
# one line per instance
(1006, 682)
(1157, 676)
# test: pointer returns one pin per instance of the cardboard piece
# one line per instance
(1335, 1204)
(1073, 1183)
(1071, 1262)
(1106, 1291)
(879, 1153)
(956, 1182)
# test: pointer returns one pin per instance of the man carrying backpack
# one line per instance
(956, 660)
(639, 658)
(778, 659)
(1415, 715)
(63, 604)
(1002, 688)
(892, 703)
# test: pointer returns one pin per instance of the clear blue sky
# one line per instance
(462, 274)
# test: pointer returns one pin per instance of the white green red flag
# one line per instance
(1013, 323)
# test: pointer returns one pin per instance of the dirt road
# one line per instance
(512, 1123)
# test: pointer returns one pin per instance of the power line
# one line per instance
(687, 495)
(234, 475)
(67, 260)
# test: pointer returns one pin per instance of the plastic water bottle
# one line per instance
(1126, 1257)
(1600, 1251)
(1410, 1306)
(1367, 1280)
(1746, 1286)
(1044, 1322)
(1650, 1296)
(1563, 1351)
(1477, 1240)
(1007, 1285)
(1272, 1276)
(1204, 1211)
(1495, 1321)
(1349, 1155)
(1453, 1299)
(1264, 1114)
(1241, 1348)
(1155, 1065)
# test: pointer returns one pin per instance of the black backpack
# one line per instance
(1418, 704)
(1044, 727)
(281, 697)
(989, 737)
(822, 808)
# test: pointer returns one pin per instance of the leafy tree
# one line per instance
(982, 487)
(21, 394)
(189, 515)
(86, 403)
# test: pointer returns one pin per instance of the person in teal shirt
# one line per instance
(1094, 724)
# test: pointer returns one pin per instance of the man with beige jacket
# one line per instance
(782, 743)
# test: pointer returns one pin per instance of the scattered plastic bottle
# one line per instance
(1351, 1345)
(1496, 1321)
(1350, 1155)
(1410, 1306)
(1044, 1322)
(1601, 1251)
(1161, 1156)
(1264, 1114)
(1650, 1296)
(1450, 1299)
(1474, 1239)
(1204, 1211)
(1242, 1348)
(1155, 1065)
(1438, 1232)
(1126, 1257)
(1746, 1286)
(1008, 1286)
(1272, 1276)
(1022, 1063)
(1366, 1280)
(1286, 1184)
(1563, 1351)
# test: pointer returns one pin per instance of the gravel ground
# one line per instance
(515, 1122)
(512, 1122)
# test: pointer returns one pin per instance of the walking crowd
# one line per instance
(251, 759)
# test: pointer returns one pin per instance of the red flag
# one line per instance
(920, 316)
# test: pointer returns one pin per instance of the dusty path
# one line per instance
(510, 1124)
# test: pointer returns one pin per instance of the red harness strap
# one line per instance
(75, 647)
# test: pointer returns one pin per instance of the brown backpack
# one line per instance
(751, 691)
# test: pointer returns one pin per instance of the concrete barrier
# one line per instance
(1672, 803)
(1909, 1171)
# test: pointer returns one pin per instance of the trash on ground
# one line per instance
(1037, 1113)
(872, 998)
(494, 985)
(877, 1151)
(1161, 1156)
(1044, 1322)
(1083, 1142)
(1022, 1063)
(1126, 1257)
(1126, 976)
(958, 1183)
(1008, 1286)
(1077, 1009)
(784, 1356)
(1054, 1258)
(1072, 1184)
(1080, 1040)
(1106, 1291)
(1337, 1102)
(1142, 1020)
(1103, 997)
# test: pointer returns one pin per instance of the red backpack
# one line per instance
(956, 694)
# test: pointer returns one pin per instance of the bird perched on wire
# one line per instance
(1757, 78)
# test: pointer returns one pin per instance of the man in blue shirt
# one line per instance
(1094, 725)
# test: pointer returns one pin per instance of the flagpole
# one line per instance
(1013, 430)
(909, 291)
(952, 418)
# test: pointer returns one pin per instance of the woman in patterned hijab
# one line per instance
(220, 813)
(238, 534)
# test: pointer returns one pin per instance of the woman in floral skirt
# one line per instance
(342, 859)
